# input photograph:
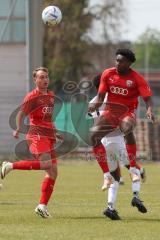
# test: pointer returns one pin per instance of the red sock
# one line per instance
(27, 165)
(46, 189)
(100, 154)
(131, 149)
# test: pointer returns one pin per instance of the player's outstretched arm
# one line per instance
(149, 106)
(98, 102)
(20, 117)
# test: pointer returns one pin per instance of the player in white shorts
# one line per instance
(117, 156)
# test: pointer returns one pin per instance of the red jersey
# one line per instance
(124, 89)
(39, 108)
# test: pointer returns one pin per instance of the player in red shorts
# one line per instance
(117, 156)
(38, 106)
(124, 86)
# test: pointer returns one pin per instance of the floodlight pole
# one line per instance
(146, 59)
(34, 38)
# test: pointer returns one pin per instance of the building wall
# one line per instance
(13, 86)
(21, 39)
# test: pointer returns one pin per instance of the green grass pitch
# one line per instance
(77, 206)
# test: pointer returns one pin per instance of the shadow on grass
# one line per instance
(85, 217)
(126, 220)
(15, 203)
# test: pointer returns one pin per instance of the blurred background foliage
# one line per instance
(69, 48)
(147, 48)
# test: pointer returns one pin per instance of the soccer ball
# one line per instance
(51, 15)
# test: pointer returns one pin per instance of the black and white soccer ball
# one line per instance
(51, 15)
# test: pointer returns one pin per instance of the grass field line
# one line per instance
(120, 192)
(70, 204)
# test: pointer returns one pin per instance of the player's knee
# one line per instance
(126, 130)
(53, 172)
(54, 160)
(130, 138)
(116, 175)
(92, 137)
(127, 127)
(95, 139)
(117, 178)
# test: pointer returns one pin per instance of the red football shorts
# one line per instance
(115, 114)
(41, 144)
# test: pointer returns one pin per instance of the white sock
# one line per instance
(112, 194)
(133, 170)
(107, 175)
(136, 186)
(121, 179)
(42, 206)
(10, 165)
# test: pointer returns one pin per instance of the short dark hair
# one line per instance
(96, 80)
(126, 53)
(39, 69)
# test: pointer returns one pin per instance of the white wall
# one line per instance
(13, 86)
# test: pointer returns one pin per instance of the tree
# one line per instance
(147, 49)
(66, 45)
(63, 44)
(110, 15)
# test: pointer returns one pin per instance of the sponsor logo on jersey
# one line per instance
(129, 83)
(51, 100)
(111, 79)
(47, 109)
(118, 90)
